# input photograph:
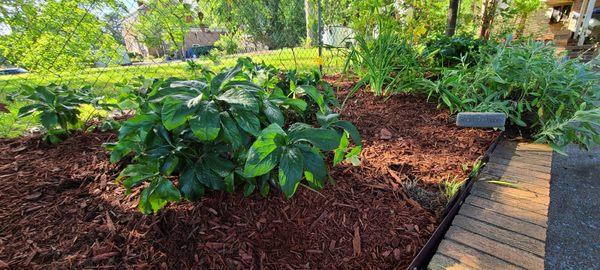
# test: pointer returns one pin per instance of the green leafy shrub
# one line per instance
(550, 97)
(226, 130)
(451, 51)
(59, 108)
(228, 43)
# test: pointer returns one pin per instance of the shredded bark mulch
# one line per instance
(60, 207)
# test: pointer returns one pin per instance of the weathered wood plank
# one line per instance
(441, 262)
(501, 235)
(510, 152)
(521, 214)
(491, 175)
(539, 208)
(524, 146)
(514, 175)
(502, 251)
(504, 221)
(517, 171)
(520, 164)
(527, 183)
(519, 192)
(472, 257)
(545, 162)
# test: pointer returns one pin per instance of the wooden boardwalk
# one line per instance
(502, 225)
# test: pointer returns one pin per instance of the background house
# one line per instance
(567, 22)
(198, 41)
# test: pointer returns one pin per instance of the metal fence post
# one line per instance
(320, 34)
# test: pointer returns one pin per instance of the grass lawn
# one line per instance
(103, 80)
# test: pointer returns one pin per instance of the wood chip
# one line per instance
(214, 245)
(356, 241)
(33, 196)
(104, 256)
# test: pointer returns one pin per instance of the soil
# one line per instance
(60, 206)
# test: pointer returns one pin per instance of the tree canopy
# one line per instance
(165, 22)
(56, 35)
(274, 23)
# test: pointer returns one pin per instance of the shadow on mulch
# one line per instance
(60, 207)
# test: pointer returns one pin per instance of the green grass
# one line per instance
(103, 80)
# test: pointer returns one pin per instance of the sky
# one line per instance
(4, 29)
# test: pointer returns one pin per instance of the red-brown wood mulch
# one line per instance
(60, 207)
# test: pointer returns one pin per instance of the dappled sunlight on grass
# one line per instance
(104, 80)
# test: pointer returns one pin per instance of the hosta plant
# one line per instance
(59, 108)
(227, 131)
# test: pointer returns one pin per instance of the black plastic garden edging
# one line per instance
(427, 252)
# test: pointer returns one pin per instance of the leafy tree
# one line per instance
(274, 23)
(113, 25)
(413, 18)
(523, 8)
(166, 21)
(57, 34)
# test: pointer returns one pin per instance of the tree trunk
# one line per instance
(452, 17)
(521, 25)
(489, 12)
(309, 15)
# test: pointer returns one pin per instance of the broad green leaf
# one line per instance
(29, 109)
(327, 119)
(297, 104)
(315, 169)
(324, 139)
(43, 94)
(314, 94)
(339, 153)
(231, 131)
(142, 122)
(157, 195)
(351, 129)
(247, 121)
(218, 82)
(184, 95)
(246, 85)
(134, 174)
(206, 123)
(273, 113)
(230, 182)
(218, 164)
(291, 167)
(263, 184)
(264, 153)
(174, 113)
(240, 99)
(121, 149)
(248, 189)
(49, 119)
(169, 165)
(189, 184)
(195, 177)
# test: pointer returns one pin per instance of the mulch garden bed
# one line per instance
(60, 207)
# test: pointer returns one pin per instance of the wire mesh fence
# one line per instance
(103, 43)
